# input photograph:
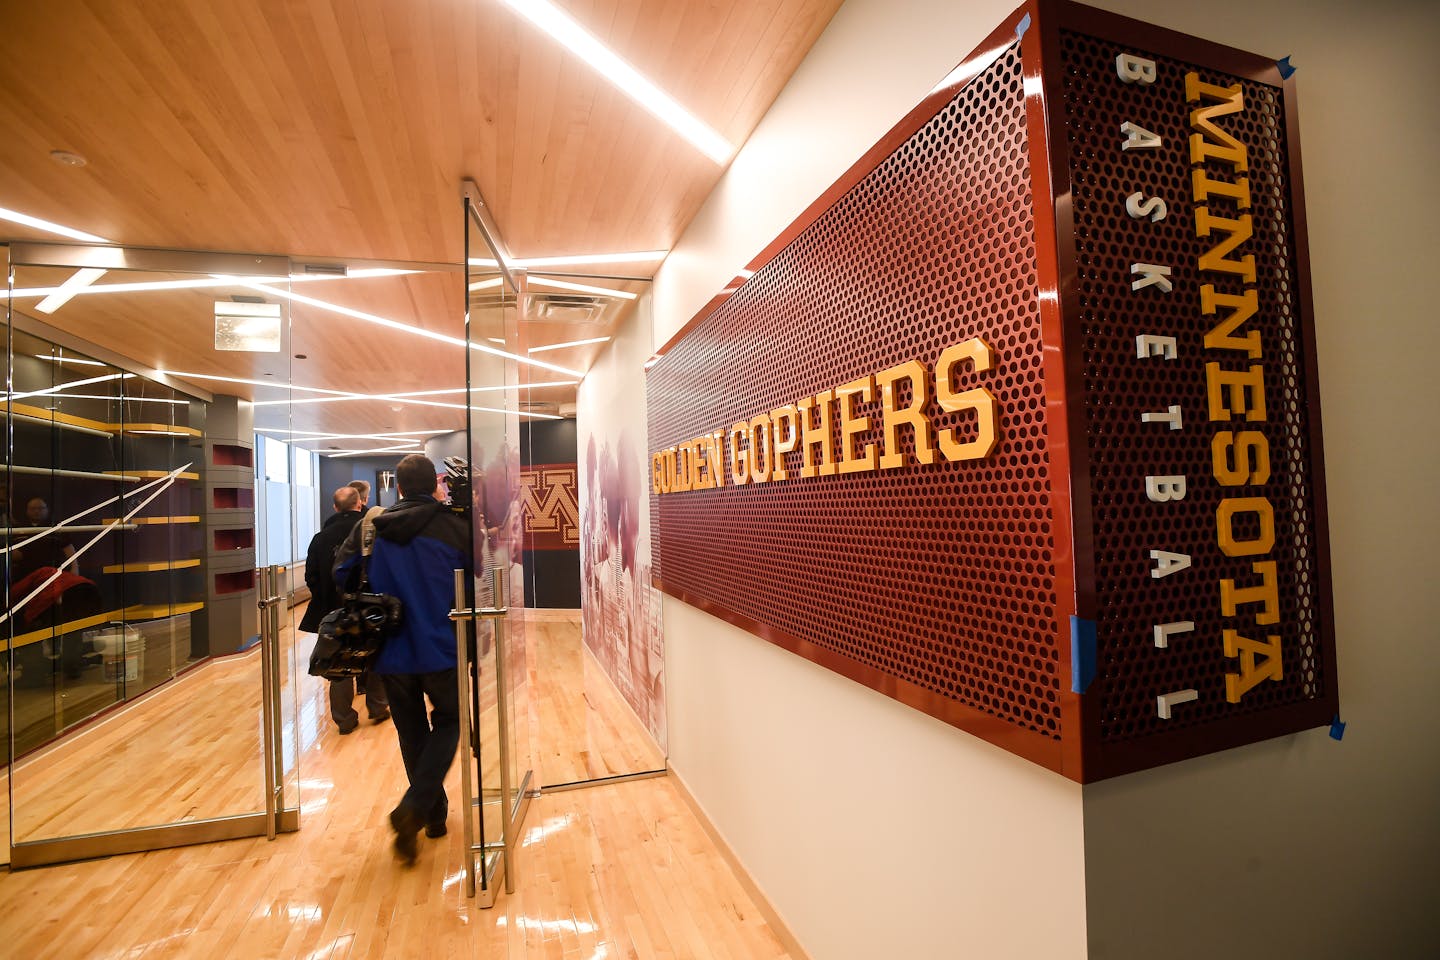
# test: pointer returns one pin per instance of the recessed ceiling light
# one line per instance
(625, 77)
(67, 157)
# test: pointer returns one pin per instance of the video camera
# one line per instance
(457, 482)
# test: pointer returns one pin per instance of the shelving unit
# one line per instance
(228, 510)
(127, 617)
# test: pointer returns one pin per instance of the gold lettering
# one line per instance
(1267, 593)
(1225, 526)
(699, 451)
(1203, 188)
(914, 414)
(1258, 661)
(760, 441)
(1221, 336)
(784, 440)
(1221, 146)
(685, 467)
(816, 433)
(851, 426)
(716, 445)
(978, 353)
(1230, 387)
(1250, 463)
(657, 473)
(740, 458)
(1239, 231)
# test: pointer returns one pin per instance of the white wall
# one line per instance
(878, 832)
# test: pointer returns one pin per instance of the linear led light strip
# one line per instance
(405, 448)
(200, 283)
(349, 396)
(625, 77)
(96, 396)
(305, 436)
(78, 280)
(416, 393)
(580, 287)
(72, 383)
(572, 343)
(639, 256)
(397, 325)
(83, 363)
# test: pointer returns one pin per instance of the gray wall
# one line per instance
(335, 472)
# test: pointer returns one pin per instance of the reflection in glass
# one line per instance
(109, 560)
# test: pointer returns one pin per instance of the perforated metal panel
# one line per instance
(951, 586)
(1119, 388)
(937, 576)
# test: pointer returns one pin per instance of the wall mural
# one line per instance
(621, 610)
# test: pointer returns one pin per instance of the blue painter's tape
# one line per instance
(1022, 26)
(1083, 653)
(1337, 729)
(1285, 71)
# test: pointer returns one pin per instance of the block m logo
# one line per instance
(549, 507)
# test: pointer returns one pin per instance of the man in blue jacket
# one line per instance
(419, 543)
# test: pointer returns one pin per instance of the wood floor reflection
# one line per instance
(584, 729)
(620, 870)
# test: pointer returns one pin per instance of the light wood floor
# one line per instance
(621, 870)
(584, 728)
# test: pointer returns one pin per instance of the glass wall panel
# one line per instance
(129, 541)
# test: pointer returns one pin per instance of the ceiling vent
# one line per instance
(324, 270)
(566, 308)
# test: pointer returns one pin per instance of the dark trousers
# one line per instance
(427, 743)
(342, 698)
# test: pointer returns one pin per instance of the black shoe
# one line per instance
(438, 829)
(380, 717)
(349, 728)
(406, 827)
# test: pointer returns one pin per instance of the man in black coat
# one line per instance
(324, 597)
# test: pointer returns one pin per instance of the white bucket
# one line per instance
(122, 652)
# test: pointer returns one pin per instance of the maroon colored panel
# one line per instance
(940, 576)
(997, 210)
(1104, 317)
(549, 506)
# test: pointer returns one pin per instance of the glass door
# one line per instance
(136, 674)
(496, 747)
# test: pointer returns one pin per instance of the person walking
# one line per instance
(419, 543)
(319, 562)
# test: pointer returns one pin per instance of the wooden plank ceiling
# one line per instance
(341, 131)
